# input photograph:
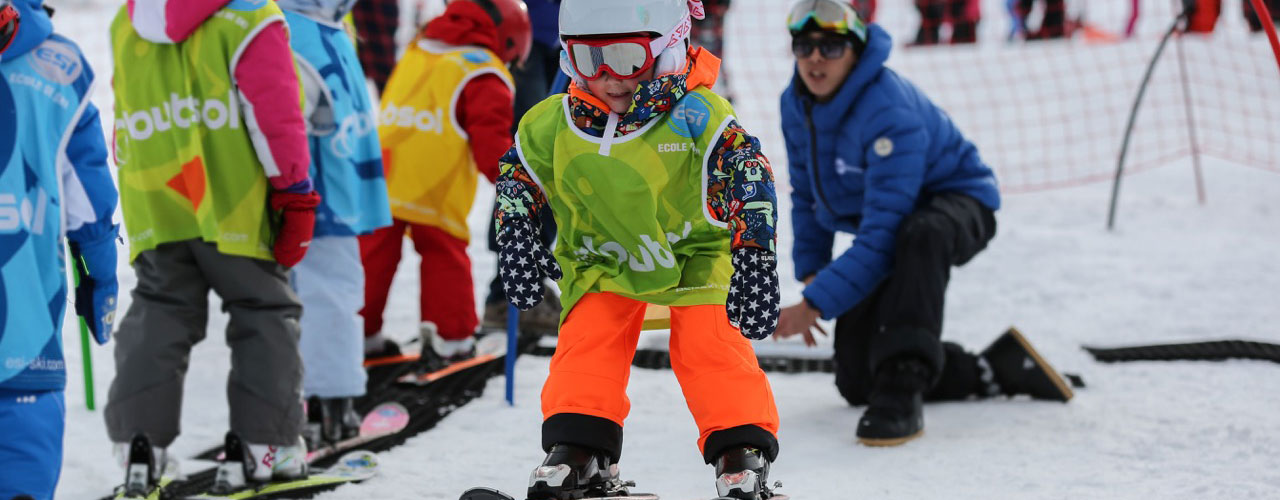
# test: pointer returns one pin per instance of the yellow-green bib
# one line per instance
(188, 168)
(632, 211)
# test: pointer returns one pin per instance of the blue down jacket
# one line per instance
(860, 163)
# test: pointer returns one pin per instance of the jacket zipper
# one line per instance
(814, 178)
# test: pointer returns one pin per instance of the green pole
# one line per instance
(86, 355)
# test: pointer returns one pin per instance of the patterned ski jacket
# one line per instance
(860, 163)
(54, 182)
(731, 184)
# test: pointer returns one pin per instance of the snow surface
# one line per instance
(1173, 271)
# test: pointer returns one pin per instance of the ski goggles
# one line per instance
(827, 15)
(829, 47)
(9, 20)
(626, 56)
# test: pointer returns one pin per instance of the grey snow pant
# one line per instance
(169, 315)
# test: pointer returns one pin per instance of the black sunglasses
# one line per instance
(830, 48)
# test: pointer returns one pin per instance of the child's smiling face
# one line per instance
(617, 93)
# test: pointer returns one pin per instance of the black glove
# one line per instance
(753, 292)
(523, 262)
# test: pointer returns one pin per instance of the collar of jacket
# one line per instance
(35, 29)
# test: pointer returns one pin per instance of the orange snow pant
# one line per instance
(584, 401)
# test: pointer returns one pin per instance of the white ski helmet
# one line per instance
(665, 18)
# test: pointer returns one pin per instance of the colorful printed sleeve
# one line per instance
(518, 195)
(740, 189)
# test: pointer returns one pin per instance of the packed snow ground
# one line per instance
(1173, 271)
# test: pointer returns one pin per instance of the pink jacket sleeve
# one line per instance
(270, 93)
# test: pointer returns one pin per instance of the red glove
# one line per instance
(297, 223)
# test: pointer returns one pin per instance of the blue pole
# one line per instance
(1016, 27)
(513, 332)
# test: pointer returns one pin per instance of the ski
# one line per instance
(382, 421)
(353, 467)
(492, 494)
(488, 348)
(157, 493)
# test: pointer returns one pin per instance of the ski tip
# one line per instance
(386, 418)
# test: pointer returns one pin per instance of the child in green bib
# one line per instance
(661, 198)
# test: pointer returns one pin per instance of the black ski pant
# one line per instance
(903, 316)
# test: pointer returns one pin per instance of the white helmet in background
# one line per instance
(606, 17)
(670, 20)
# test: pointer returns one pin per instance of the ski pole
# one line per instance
(86, 355)
(513, 319)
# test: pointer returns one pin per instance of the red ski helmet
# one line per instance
(9, 20)
(515, 31)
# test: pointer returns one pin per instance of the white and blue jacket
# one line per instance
(342, 127)
(55, 182)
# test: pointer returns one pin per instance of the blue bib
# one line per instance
(346, 158)
(43, 91)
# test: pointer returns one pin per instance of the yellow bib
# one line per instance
(431, 175)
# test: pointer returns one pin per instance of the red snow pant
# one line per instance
(446, 298)
(1206, 15)
(584, 401)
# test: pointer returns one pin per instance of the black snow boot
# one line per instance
(742, 472)
(572, 472)
(330, 420)
(895, 412)
(1017, 368)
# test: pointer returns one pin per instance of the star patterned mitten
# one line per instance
(753, 292)
(523, 262)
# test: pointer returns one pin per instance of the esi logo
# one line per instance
(691, 116)
(57, 61)
(247, 5)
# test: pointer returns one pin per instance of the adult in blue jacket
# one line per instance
(54, 182)
(872, 156)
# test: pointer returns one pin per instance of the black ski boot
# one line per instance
(140, 470)
(379, 346)
(742, 472)
(330, 420)
(1017, 368)
(571, 472)
(895, 412)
